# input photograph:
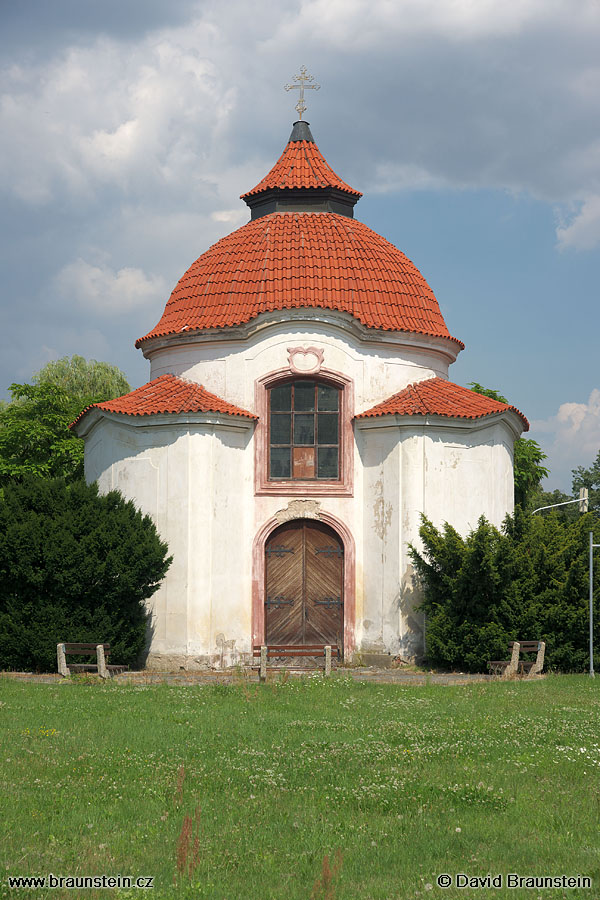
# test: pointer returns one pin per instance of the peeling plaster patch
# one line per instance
(382, 514)
(226, 650)
(455, 457)
(299, 509)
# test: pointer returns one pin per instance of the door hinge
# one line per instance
(277, 602)
(329, 602)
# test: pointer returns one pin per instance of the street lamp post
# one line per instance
(592, 545)
(582, 500)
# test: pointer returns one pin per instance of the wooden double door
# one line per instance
(304, 573)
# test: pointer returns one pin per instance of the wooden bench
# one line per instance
(292, 651)
(506, 668)
(100, 651)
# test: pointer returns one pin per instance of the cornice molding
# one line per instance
(164, 420)
(444, 347)
(508, 418)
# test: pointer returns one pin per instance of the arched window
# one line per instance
(304, 440)
(304, 431)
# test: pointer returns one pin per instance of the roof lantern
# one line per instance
(301, 181)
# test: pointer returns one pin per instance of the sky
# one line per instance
(129, 128)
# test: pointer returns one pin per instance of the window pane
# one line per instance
(327, 428)
(328, 397)
(281, 462)
(281, 397)
(304, 429)
(281, 428)
(304, 395)
(327, 462)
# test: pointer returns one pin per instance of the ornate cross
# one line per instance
(304, 83)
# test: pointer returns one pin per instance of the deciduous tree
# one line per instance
(34, 427)
(83, 378)
(34, 434)
(590, 479)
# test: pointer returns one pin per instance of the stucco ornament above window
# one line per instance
(305, 360)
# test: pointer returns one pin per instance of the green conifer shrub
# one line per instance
(528, 580)
(75, 566)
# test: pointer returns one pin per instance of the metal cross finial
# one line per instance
(303, 84)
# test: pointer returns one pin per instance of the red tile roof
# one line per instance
(309, 260)
(438, 397)
(301, 165)
(167, 394)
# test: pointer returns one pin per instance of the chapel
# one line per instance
(297, 422)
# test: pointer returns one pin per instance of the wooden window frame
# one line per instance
(315, 413)
(315, 487)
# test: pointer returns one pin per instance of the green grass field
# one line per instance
(241, 792)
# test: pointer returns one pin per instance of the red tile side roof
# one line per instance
(167, 394)
(438, 397)
(310, 260)
(301, 165)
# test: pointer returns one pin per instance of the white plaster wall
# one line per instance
(195, 481)
(450, 474)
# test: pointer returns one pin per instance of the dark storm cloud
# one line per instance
(42, 25)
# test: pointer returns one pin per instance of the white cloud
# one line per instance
(230, 216)
(570, 438)
(102, 291)
(583, 231)
(99, 115)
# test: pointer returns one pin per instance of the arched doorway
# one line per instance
(304, 585)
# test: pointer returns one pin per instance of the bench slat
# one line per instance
(91, 667)
(294, 647)
(294, 655)
(84, 648)
(313, 650)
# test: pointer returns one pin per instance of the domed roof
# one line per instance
(302, 249)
